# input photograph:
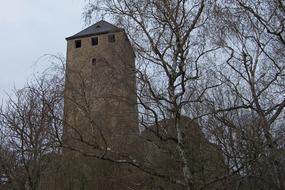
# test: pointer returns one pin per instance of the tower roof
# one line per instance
(100, 27)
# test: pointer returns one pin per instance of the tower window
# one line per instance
(77, 43)
(94, 41)
(93, 61)
(111, 38)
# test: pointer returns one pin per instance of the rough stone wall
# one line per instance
(100, 107)
(104, 89)
(206, 160)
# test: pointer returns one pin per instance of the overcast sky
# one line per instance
(28, 30)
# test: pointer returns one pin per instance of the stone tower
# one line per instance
(100, 105)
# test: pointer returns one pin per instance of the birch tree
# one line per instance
(249, 107)
(171, 45)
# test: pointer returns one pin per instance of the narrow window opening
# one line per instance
(93, 61)
(111, 38)
(94, 41)
(77, 43)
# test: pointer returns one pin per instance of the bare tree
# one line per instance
(234, 85)
(249, 106)
(210, 96)
(170, 40)
(31, 122)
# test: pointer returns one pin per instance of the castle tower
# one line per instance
(100, 102)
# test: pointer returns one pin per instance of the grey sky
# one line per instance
(30, 29)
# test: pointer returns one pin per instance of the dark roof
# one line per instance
(100, 27)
